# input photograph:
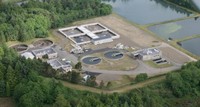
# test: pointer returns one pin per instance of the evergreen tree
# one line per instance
(78, 66)
(1, 53)
(7, 89)
(61, 101)
(75, 77)
(2, 88)
(10, 78)
(141, 77)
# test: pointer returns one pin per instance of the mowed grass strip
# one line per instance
(118, 90)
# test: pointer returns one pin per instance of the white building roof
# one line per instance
(92, 35)
(44, 51)
(27, 55)
(56, 64)
(148, 51)
(89, 33)
(83, 29)
(86, 77)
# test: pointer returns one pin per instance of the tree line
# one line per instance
(184, 3)
(32, 19)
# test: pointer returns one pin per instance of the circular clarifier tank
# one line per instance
(20, 47)
(91, 60)
(42, 43)
(113, 55)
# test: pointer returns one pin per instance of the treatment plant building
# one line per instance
(50, 52)
(94, 33)
(148, 54)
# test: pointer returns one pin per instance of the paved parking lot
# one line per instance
(62, 54)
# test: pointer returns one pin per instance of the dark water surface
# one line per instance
(192, 46)
(147, 11)
(177, 30)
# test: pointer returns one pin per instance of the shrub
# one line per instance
(141, 77)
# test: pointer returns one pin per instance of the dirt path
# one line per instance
(118, 90)
(7, 102)
(139, 85)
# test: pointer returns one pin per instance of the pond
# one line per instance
(177, 30)
(147, 11)
(192, 46)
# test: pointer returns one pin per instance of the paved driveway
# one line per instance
(142, 68)
(64, 54)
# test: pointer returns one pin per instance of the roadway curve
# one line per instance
(142, 68)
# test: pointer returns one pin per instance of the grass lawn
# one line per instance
(76, 86)
(152, 64)
(124, 81)
(11, 43)
(122, 89)
(145, 83)
(7, 102)
(50, 37)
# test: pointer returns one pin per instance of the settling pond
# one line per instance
(178, 29)
(147, 11)
(192, 45)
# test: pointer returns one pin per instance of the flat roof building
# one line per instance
(148, 54)
(50, 52)
(57, 64)
(102, 39)
(97, 34)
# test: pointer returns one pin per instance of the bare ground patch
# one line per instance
(174, 56)
(6, 102)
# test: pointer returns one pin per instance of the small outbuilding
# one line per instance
(50, 52)
(28, 55)
(57, 64)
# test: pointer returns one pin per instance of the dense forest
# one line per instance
(21, 79)
(32, 19)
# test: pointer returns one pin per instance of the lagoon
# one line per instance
(178, 29)
(147, 11)
(192, 45)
